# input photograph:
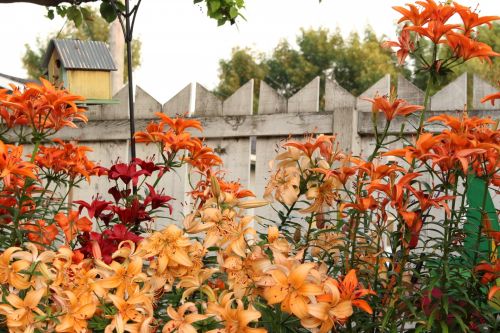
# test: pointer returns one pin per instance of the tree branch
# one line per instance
(48, 3)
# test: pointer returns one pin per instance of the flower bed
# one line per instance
(398, 241)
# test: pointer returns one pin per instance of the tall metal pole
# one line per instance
(128, 41)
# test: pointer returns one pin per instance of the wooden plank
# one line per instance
(306, 100)
(117, 111)
(482, 88)
(410, 92)
(381, 87)
(145, 104)
(235, 152)
(172, 183)
(452, 97)
(206, 103)
(342, 104)
(266, 151)
(214, 127)
(365, 122)
(180, 104)
(240, 103)
(106, 154)
(270, 102)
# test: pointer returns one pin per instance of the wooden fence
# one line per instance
(230, 125)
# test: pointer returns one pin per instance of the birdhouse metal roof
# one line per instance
(80, 54)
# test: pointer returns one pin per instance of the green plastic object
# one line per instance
(477, 198)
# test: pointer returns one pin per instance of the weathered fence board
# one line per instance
(452, 97)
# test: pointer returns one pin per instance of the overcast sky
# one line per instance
(180, 44)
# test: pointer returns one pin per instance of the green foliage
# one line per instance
(222, 11)
(356, 63)
(93, 27)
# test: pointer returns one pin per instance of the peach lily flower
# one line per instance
(292, 289)
(236, 319)
(20, 313)
(78, 311)
(180, 321)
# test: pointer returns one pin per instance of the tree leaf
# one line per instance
(233, 12)
(107, 11)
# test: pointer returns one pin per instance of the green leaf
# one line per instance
(444, 327)
(233, 12)
(214, 6)
(107, 11)
(74, 14)
(50, 14)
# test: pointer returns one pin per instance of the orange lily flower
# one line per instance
(467, 48)
(310, 146)
(413, 14)
(324, 194)
(404, 44)
(179, 124)
(154, 133)
(292, 289)
(424, 144)
(392, 107)
(12, 168)
(41, 233)
(45, 107)
(351, 289)
(440, 12)
(471, 19)
(491, 98)
(71, 224)
(435, 30)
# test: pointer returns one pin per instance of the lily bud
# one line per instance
(252, 204)
(215, 186)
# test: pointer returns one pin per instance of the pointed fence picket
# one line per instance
(230, 125)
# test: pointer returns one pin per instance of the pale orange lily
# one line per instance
(292, 289)
(138, 307)
(125, 277)
(21, 313)
(197, 283)
(180, 321)
(235, 319)
(10, 271)
(329, 309)
(77, 313)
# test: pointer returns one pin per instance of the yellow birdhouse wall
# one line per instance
(89, 84)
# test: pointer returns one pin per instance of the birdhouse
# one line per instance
(83, 67)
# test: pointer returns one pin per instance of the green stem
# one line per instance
(379, 140)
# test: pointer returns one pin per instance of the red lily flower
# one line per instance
(133, 214)
(95, 208)
(126, 173)
(157, 199)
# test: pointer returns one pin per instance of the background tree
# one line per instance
(93, 27)
(355, 62)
